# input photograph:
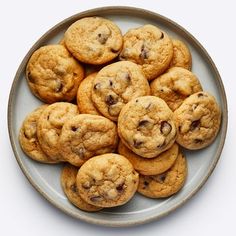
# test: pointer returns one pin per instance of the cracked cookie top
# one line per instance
(117, 84)
(198, 121)
(50, 124)
(107, 180)
(53, 75)
(175, 85)
(94, 40)
(146, 126)
(85, 136)
(149, 47)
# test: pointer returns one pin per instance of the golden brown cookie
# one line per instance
(107, 180)
(84, 96)
(167, 183)
(115, 85)
(68, 183)
(50, 124)
(146, 126)
(182, 56)
(28, 137)
(149, 47)
(85, 136)
(53, 75)
(175, 85)
(198, 121)
(150, 166)
(94, 40)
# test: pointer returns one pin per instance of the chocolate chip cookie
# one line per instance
(94, 40)
(68, 183)
(151, 166)
(149, 47)
(182, 56)
(167, 183)
(84, 96)
(53, 75)
(50, 124)
(28, 137)
(107, 180)
(115, 85)
(85, 136)
(146, 126)
(175, 85)
(198, 121)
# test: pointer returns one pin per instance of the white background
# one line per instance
(211, 212)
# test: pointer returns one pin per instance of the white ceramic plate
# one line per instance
(46, 178)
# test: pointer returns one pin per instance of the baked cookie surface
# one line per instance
(182, 56)
(85, 136)
(198, 121)
(50, 124)
(115, 85)
(53, 75)
(175, 85)
(68, 183)
(84, 96)
(146, 126)
(94, 40)
(28, 137)
(107, 180)
(149, 47)
(167, 183)
(151, 166)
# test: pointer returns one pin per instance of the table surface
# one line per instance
(210, 212)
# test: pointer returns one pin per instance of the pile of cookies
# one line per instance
(116, 110)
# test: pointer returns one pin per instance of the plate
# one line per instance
(46, 178)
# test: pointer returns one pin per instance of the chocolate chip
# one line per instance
(194, 125)
(161, 178)
(144, 53)
(127, 77)
(96, 198)
(74, 129)
(114, 50)
(197, 140)
(120, 187)
(110, 100)
(180, 128)
(122, 57)
(143, 123)
(165, 128)
(136, 100)
(97, 86)
(59, 86)
(73, 187)
(148, 106)
(161, 145)
(162, 35)
(102, 38)
(200, 95)
(30, 78)
(137, 143)
(110, 83)
(48, 117)
(146, 183)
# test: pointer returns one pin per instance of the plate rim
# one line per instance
(123, 10)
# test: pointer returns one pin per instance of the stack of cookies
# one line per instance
(116, 110)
